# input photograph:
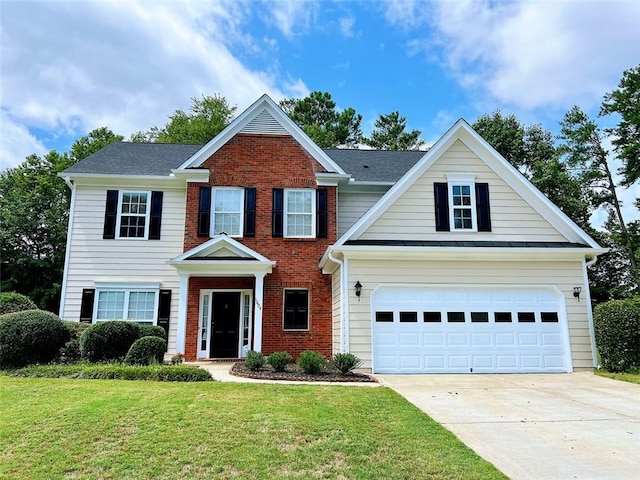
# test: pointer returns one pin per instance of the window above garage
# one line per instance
(462, 205)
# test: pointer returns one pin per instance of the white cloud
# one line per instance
(292, 17)
(17, 142)
(68, 68)
(346, 26)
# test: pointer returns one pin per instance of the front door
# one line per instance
(225, 321)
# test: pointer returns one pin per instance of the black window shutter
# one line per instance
(482, 207)
(277, 212)
(204, 211)
(249, 212)
(110, 215)
(86, 307)
(321, 214)
(164, 310)
(442, 206)
(155, 218)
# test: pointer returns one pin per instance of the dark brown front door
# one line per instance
(225, 320)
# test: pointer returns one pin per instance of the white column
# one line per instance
(258, 295)
(181, 332)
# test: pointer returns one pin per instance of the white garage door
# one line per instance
(469, 330)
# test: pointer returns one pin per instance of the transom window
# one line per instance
(127, 304)
(133, 214)
(296, 310)
(299, 209)
(227, 211)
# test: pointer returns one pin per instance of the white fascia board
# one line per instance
(244, 118)
(368, 252)
(325, 179)
(223, 268)
(115, 181)
(220, 241)
(192, 175)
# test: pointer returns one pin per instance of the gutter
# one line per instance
(344, 322)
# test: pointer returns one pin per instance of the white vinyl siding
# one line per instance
(92, 259)
(336, 295)
(412, 216)
(562, 275)
(351, 206)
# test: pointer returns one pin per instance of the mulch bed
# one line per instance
(293, 372)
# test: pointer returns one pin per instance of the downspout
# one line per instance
(585, 264)
(343, 293)
(65, 273)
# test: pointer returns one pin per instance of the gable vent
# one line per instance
(264, 124)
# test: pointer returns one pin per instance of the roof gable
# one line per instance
(264, 117)
(220, 247)
(462, 131)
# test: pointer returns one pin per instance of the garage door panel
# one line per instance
(458, 330)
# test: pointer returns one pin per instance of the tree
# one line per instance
(584, 152)
(34, 211)
(625, 101)
(318, 117)
(531, 150)
(390, 134)
(207, 117)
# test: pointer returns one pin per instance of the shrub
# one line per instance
(177, 359)
(116, 371)
(70, 352)
(15, 302)
(279, 360)
(311, 362)
(345, 362)
(617, 331)
(254, 361)
(146, 350)
(108, 340)
(76, 328)
(152, 331)
(30, 336)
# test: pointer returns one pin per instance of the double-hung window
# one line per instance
(462, 206)
(299, 218)
(296, 309)
(227, 211)
(135, 303)
(133, 214)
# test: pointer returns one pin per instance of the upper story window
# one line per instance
(462, 206)
(227, 211)
(133, 214)
(299, 218)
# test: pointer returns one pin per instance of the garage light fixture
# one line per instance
(358, 287)
(576, 292)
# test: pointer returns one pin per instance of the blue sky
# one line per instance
(68, 67)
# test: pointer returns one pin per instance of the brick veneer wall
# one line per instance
(267, 162)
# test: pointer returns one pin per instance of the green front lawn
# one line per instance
(105, 429)
(633, 377)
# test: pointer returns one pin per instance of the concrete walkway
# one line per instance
(539, 427)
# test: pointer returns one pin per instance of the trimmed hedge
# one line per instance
(30, 336)
(15, 302)
(108, 340)
(146, 351)
(279, 361)
(617, 331)
(311, 362)
(115, 371)
(254, 361)
(152, 331)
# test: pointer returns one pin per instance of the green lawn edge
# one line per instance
(631, 377)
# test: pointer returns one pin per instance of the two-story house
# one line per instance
(440, 261)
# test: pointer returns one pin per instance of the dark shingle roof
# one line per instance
(128, 158)
(375, 165)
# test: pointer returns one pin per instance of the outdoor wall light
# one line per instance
(358, 287)
(576, 292)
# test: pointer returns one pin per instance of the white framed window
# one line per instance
(133, 214)
(462, 204)
(227, 211)
(137, 303)
(299, 213)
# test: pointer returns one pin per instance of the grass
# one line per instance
(632, 376)
(106, 429)
(115, 371)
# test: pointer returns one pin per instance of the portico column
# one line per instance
(181, 332)
(257, 318)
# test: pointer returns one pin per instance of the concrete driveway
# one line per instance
(553, 426)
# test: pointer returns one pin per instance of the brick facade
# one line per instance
(267, 162)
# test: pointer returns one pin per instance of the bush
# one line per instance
(617, 331)
(70, 352)
(30, 336)
(311, 362)
(116, 371)
(279, 361)
(15, 302)
(108, 340)
(345, 362)
(76, 328)
(177, 359)
(146, 351)
(254, 361)
(152, 331)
